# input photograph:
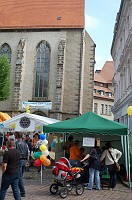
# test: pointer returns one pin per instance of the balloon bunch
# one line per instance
(41, 155)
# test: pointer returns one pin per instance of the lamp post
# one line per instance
(129, 112)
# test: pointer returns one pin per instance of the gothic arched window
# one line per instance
(6, 50)
(42, 69)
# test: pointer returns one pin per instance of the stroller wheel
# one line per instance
(63, 192)
(79, 189)
(54, 188)
(69, 186)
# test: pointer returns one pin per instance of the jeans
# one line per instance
(7, 180)
(75, 163)
(22, 169)
(93, 173)
(112, 173)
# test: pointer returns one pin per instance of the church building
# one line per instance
(51, 55)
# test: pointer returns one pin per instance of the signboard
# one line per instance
(98, 142)
(41, 105)
(88, 142)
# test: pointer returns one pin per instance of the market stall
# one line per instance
(27, 123)
(91, 123)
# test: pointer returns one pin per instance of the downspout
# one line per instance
(80, 70)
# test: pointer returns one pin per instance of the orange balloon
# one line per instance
(43, 158)
(46, 162)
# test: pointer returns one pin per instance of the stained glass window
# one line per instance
(42, 69)
(6, 50)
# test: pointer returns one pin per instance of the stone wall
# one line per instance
(68, 67)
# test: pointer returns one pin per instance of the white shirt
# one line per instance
(108, 159)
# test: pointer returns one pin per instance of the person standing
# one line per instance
(94, 166)
(10, 171)
(75, 154)
(22, 147)
(34, 141)
(67, 145)
(109, 154)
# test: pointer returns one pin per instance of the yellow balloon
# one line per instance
(27, 107)
(43, 147)
(39, 127)
(28, 111)
(13, 125)
(129, 110)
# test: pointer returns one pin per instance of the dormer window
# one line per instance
(101, 92)
(110, 94)
(94, 91)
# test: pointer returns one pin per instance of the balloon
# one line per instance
(46, 162)
(43, 158)
(46, 152)
(129, 110)
(39, 127)
(27, 109)
(37, 155)
(45, 142)
(42, 136)
(13, 125)
(37, 163)
(43, 147)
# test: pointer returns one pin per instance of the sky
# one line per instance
(100, 18)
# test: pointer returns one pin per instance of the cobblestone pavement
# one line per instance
(37, 191)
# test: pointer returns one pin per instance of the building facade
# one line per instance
(104, 91)
(121, 52)
(52, 57)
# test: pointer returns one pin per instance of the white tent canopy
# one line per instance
(28, 122)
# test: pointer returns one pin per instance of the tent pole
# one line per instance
(41, 173)
(129, 167)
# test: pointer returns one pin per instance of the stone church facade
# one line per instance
(49, 64)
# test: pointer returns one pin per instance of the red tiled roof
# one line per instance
(106, 74)
(97, 95)
(107, 71)
(99, 78)
(102, 88)
(41, 14)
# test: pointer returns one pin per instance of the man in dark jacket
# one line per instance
(10, 171)
(22, 147)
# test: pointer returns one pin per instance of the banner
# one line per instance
(42, 105)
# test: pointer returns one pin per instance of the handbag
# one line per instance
(116, 165)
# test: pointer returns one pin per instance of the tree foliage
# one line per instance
(4, 78)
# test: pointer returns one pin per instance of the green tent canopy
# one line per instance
(88, 123)
(92, 123)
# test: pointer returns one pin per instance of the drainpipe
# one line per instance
(80, 70)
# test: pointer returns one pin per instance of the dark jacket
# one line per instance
(23, 149)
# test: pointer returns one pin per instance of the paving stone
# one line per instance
(37, 191)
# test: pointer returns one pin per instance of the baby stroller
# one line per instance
(65, 178)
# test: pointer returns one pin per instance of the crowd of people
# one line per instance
(98, 159)
(18, 149)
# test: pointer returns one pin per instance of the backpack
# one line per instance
(22, 147)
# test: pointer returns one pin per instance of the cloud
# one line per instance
(91, 22)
